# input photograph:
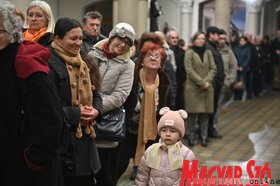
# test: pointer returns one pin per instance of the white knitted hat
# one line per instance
(123, 30)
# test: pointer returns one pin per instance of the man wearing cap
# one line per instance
(92, 23)
(212, 43)
(112, 55)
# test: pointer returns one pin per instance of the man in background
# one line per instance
(230, 69)
(92, 24)
(179, 53)
(275, 58)
(212, 44)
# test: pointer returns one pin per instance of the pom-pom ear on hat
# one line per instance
(123, 30)
(164, 110)
(174, 119)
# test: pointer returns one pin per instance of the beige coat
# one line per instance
(198, 100)
(116, 76)
(147, 176)
(230, 65)
(116, 81)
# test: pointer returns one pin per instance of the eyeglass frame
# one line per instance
(150, 56)
(124, 40)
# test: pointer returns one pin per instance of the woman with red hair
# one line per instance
(150, 92)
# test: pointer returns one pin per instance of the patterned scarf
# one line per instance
(81, 88)
(28, 35)
(148, 123)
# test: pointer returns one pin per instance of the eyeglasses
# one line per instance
(124, 40)
(2, 31)
(37, 16)
(151, 56)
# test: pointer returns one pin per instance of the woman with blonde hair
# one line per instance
(39, 23)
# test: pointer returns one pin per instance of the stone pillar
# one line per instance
(253, 17)
(186, 9)
(222, 14)
(115, 12)
(127, 11)
(142, 17)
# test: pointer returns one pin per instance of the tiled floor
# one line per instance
(251, 130)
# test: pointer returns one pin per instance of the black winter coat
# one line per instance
(31, 121)
(81, 153)
(220, 76)
(275, 45)
(180, 77)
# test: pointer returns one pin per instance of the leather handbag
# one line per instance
(112, 125)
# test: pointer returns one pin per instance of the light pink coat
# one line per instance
(147, 176)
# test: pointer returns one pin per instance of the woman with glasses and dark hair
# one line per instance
(112, 55)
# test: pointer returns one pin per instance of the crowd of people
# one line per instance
(60, 77)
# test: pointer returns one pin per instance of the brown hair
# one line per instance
(149, 36)
(20, 14)
(94, 70)
(92, 15)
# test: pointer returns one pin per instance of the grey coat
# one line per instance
(198, 100)
(116, 76)
(230, 65)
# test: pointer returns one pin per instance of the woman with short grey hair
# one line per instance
(11, 23)
(31, 116)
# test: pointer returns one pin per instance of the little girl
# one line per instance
(163, 161)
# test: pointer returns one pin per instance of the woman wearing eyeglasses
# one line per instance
(151, 90)
(116, 68)
(31, 116)
(39, 23)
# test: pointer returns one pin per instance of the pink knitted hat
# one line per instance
(174, 119)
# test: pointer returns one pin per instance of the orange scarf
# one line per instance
(34, 36)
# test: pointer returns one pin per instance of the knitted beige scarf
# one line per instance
(81, 88)
(148, 123)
